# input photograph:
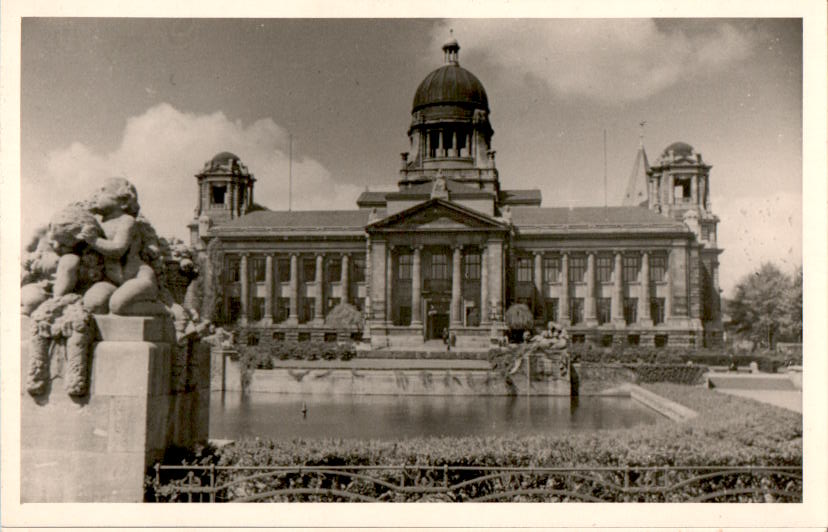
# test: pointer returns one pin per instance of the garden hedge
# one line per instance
(730, 431)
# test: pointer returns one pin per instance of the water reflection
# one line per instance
(280, 416)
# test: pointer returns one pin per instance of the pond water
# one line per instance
(279, 416)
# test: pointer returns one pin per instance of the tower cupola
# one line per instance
(450, 129)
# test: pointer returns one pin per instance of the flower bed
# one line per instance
(730, 431)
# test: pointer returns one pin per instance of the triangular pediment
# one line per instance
(438, 215)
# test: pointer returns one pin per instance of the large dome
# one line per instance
(451, 85)
(679, 149)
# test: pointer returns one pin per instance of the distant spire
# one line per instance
(641, 134)
(451, 50)
(636, 193)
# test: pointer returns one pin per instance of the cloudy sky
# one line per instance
(153, 99)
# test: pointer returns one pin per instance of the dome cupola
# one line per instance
(450, 129)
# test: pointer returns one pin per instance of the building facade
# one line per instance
(451, 249)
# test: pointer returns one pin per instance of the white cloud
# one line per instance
(160, 152)
(602, 59)
(754, 230)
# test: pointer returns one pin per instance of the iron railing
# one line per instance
(410, 483)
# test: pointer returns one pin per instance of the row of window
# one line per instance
(604, 310)
(439, 267)
(604, 265)
(305, 307)
(332, 269)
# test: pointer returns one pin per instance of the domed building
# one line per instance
(451, 250)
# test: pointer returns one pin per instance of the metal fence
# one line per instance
(412, 483)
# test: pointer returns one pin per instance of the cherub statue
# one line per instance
(122, 246)
(58, 267)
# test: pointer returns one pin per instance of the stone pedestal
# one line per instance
(144, 398)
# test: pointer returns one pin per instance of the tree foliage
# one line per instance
(767, 306)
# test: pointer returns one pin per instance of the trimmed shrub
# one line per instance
(730, 431)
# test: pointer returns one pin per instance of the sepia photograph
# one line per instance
(497, 259)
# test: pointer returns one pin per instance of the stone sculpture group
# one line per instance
(96, 256)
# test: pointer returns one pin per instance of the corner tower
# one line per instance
(225, 192)
(450, 130)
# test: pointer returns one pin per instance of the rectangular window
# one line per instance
(303, 337)
(633, 339)
(332, 302)
(631, 265)
(284, 270)
(405, 315)
(552, 309)
(257, 309)
(358, 272)
(524, 270)
(359, 303)
(234, 309)
(657, 310)
(471, 267)
(217, 194)
(334, 271)
(604, 310)
(278, 336)
(658, 267)
(307, 310)
(552, 269)
(330, 337)
(439, 266)
(282, 308)
(233, 270)
(404, 267)
(577, 269)
(258, 266)
(576, 310)
(604, 266)
(308, 270)
(630, 310)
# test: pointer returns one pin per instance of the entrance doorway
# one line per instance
(437, 319)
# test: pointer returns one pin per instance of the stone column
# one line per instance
(244, 281)
(590, 302)
(268, 310)
(485, 318)
(538, 278)
(345, 278)
(456, 288)
(668, 278)
(671, 191)
(389, 280)
(319, 281)
(494, 250)
(694, 190)
(644, 317)
(293, 314)
(416, 284)
(563, 302)
(618, 292)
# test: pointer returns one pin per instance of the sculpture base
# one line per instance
(97, 448)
